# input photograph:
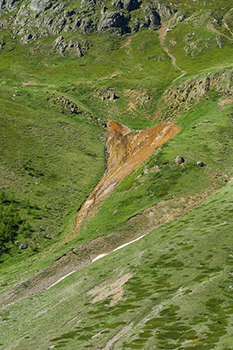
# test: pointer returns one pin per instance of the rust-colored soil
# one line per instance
(126, 151)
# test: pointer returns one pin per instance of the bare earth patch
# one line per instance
(32, 83)
(114, 289)
(127, 46)
(224, 102)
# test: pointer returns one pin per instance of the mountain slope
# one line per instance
(67, 71)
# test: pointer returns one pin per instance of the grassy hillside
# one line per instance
(172, 288)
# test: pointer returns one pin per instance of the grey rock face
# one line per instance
(114, 22)
(41, 5)
(69, 13)
(87, 26)
(8, 4)
(152, 18)
(128, 5)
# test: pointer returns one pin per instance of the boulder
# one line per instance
(200, 164)
(179, 160)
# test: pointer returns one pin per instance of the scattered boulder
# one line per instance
(179, 160)
(200, 164)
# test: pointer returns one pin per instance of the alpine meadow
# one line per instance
(116, 174)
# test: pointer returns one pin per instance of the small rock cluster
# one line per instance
(71, 107)
(61, 45)
(180, 160)
(106, 94)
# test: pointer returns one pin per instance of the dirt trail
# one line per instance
(126, 151)
(162, 35)
(227, 27)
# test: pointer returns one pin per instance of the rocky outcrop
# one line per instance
(164, 9)
(88, 25)
(27, 38)
(186, 95)
(40, 5)
(8, 4)
(152, 18)
(65, 105)
(106, 94)
(62, 46)
(128, 5)
(114, 22)
(49, 17)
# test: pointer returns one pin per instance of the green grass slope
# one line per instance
(49, 163)
(172, 289)
(178, 295)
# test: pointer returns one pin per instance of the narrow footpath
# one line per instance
(162, 35)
